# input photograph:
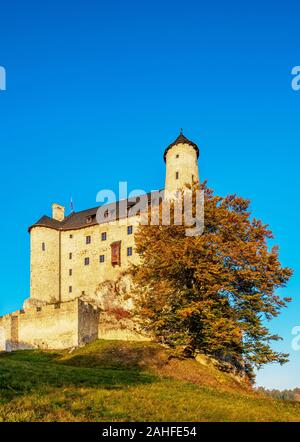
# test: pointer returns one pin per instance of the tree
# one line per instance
(212, 293)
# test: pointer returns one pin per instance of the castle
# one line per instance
(75, 266)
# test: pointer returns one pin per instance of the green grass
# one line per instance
(121, 381)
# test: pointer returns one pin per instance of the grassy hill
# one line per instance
(122, 381)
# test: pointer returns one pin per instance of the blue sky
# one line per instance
(96, 91)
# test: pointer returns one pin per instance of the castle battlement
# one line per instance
(48, 308)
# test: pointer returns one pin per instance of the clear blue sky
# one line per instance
(96, 90)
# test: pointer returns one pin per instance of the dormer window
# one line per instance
(106, 213)
(90, 218)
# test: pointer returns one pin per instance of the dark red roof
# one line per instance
(181, 139)
(77, 220)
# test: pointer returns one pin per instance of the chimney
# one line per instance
(58, 212)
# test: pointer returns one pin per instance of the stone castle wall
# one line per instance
(6, 333)
(54, 326)
(61, 264)
(88, 323)
(44, 265)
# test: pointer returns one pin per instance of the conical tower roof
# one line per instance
(181, 139)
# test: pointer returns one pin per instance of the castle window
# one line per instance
(43, 246)
(88, 240)
(86, 261)
(129, 230)
(129, 251)
(71, 236)
(70, 289)
(177, 156)
(116, 253)
(101, 258)
(70, 272)
(103, 236)
(106, 213)
(177, 175)
(192, 178)
(70, 255)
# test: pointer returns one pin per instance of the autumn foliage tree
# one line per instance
(213, 293)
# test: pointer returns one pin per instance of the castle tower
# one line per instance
(181, 158)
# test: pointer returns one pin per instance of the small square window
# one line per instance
(86, 261)
(70, 272)
(177, 175)
(70, 236)
(88, 240)
(177, 156)
(83, 292)
(70, 289)
(129, 251)
(101, 258)
(103, 236)
(43, 246)
(129, 230)
(70, 256)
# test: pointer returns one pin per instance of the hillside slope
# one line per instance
(122, 381)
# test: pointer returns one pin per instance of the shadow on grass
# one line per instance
(27, 371)
(117, 355)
